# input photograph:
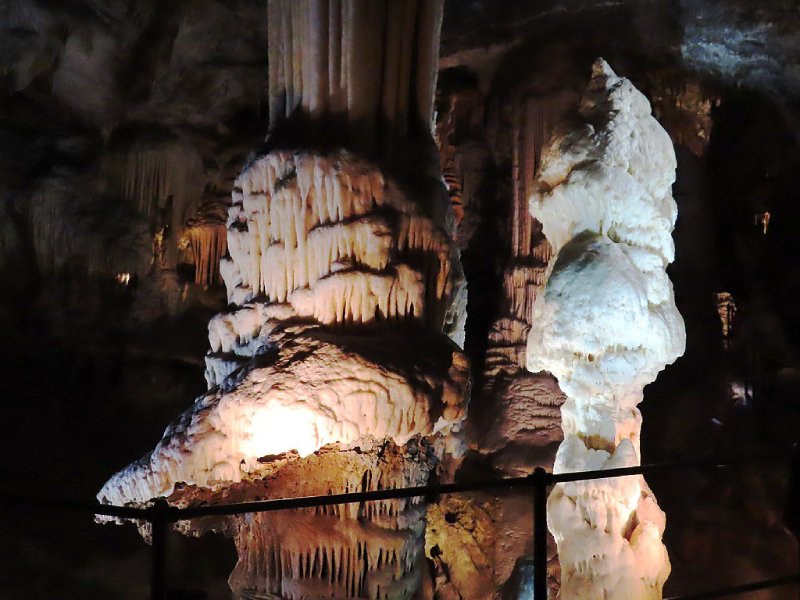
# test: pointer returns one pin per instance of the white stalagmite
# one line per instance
(605, 326)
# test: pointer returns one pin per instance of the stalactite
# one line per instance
(534, 121)
(683, 107)
(63, 237)
(463, 152)
(207, 238)
(526, 406)
(521, 285)
(306, 553)
(164, 182)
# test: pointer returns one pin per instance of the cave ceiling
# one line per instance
(201, 63)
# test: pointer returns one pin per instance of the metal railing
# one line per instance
(161, 515)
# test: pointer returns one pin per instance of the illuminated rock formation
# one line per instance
(207, 238)
(605, 326)
(683, 107)
(315, 388)
(333, 369)
(369, 550)
(726, 310)
(364, 70)
(463, 151)
(341, 243)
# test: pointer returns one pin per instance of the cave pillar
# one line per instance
(338, 366)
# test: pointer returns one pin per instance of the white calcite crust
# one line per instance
(315, 241)
(313, 389)
(598, 333)
(605, 326)
(341, 243)
(612, 174)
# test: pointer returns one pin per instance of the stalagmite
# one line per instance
(726, 310)
(337, 366)
(605, 326)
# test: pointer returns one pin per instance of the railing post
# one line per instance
(160, 522)
(540, 481)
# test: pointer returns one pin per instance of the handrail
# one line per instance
(178, 514)
(348, 498)
(740, 589)
(160, 514)
(698, 464)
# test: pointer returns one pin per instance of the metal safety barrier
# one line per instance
(161, 515)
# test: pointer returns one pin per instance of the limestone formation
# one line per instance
(605, 326)
(163, 181)
(337, 366)
(371, 66)
(317, 387)
(206, 237)
(366, 550)
(463, 150)
(683, 107)
(524, 428)
(341, 243)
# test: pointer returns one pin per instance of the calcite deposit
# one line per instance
(163, 181)
(341, 243)
(316, 387)
(365, 550)
(206, 237)
(337, 366)
(523, 430)
(605, 326)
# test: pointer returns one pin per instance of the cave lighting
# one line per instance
(272, 430)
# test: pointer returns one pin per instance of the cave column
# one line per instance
(337, 367)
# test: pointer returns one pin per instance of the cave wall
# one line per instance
(124, 125)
